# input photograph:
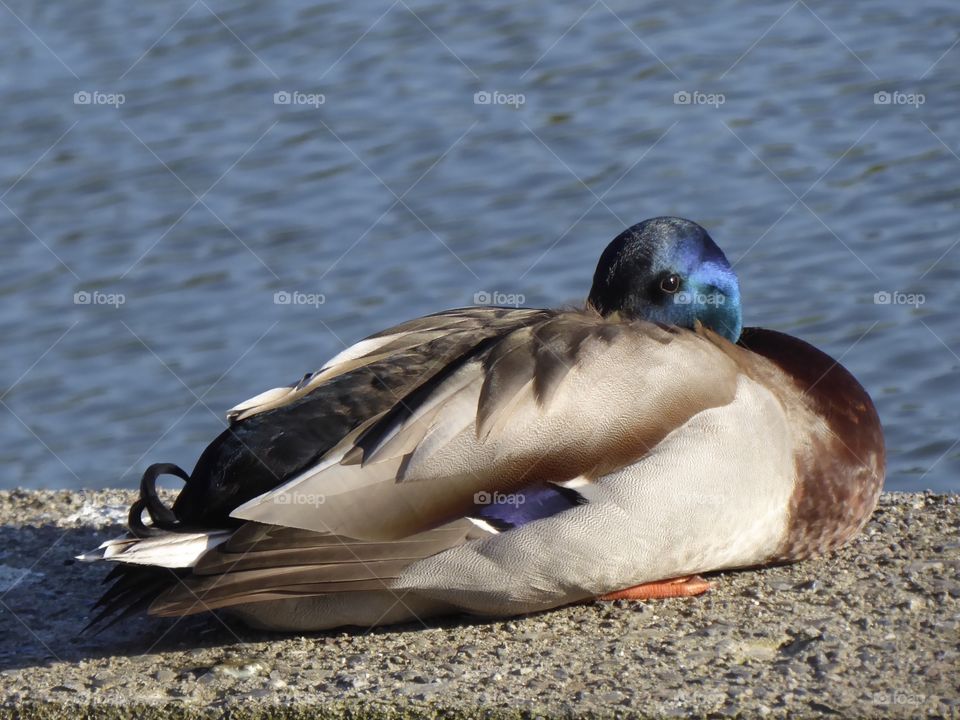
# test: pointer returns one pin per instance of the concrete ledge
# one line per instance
(871, 630)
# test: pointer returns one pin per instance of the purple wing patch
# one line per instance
(509, 510)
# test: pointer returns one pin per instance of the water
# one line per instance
(199, 198)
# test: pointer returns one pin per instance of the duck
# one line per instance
(500, 461)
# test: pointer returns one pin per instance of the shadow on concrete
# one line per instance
(47, 597)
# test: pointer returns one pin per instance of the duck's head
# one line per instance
(668, 270)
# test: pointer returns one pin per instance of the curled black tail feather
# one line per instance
(161, 517)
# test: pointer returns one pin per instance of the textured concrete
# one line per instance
(871, 630)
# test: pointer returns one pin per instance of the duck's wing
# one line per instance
(427, 342)
(517, 430)
(565, 399)
(280, 433)
(265, 562)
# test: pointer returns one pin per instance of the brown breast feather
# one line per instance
(840, 456)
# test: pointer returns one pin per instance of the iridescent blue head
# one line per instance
(668, 270)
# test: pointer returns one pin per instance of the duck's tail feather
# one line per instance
(134, 588)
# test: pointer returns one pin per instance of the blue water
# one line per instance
(198, 197)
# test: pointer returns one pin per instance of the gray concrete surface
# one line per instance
(872, 630)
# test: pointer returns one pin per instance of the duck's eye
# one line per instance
(670, 283)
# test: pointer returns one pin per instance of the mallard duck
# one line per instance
(502, 461)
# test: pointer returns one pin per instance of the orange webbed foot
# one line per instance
(677, 587)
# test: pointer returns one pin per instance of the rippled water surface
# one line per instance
(144, 159)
